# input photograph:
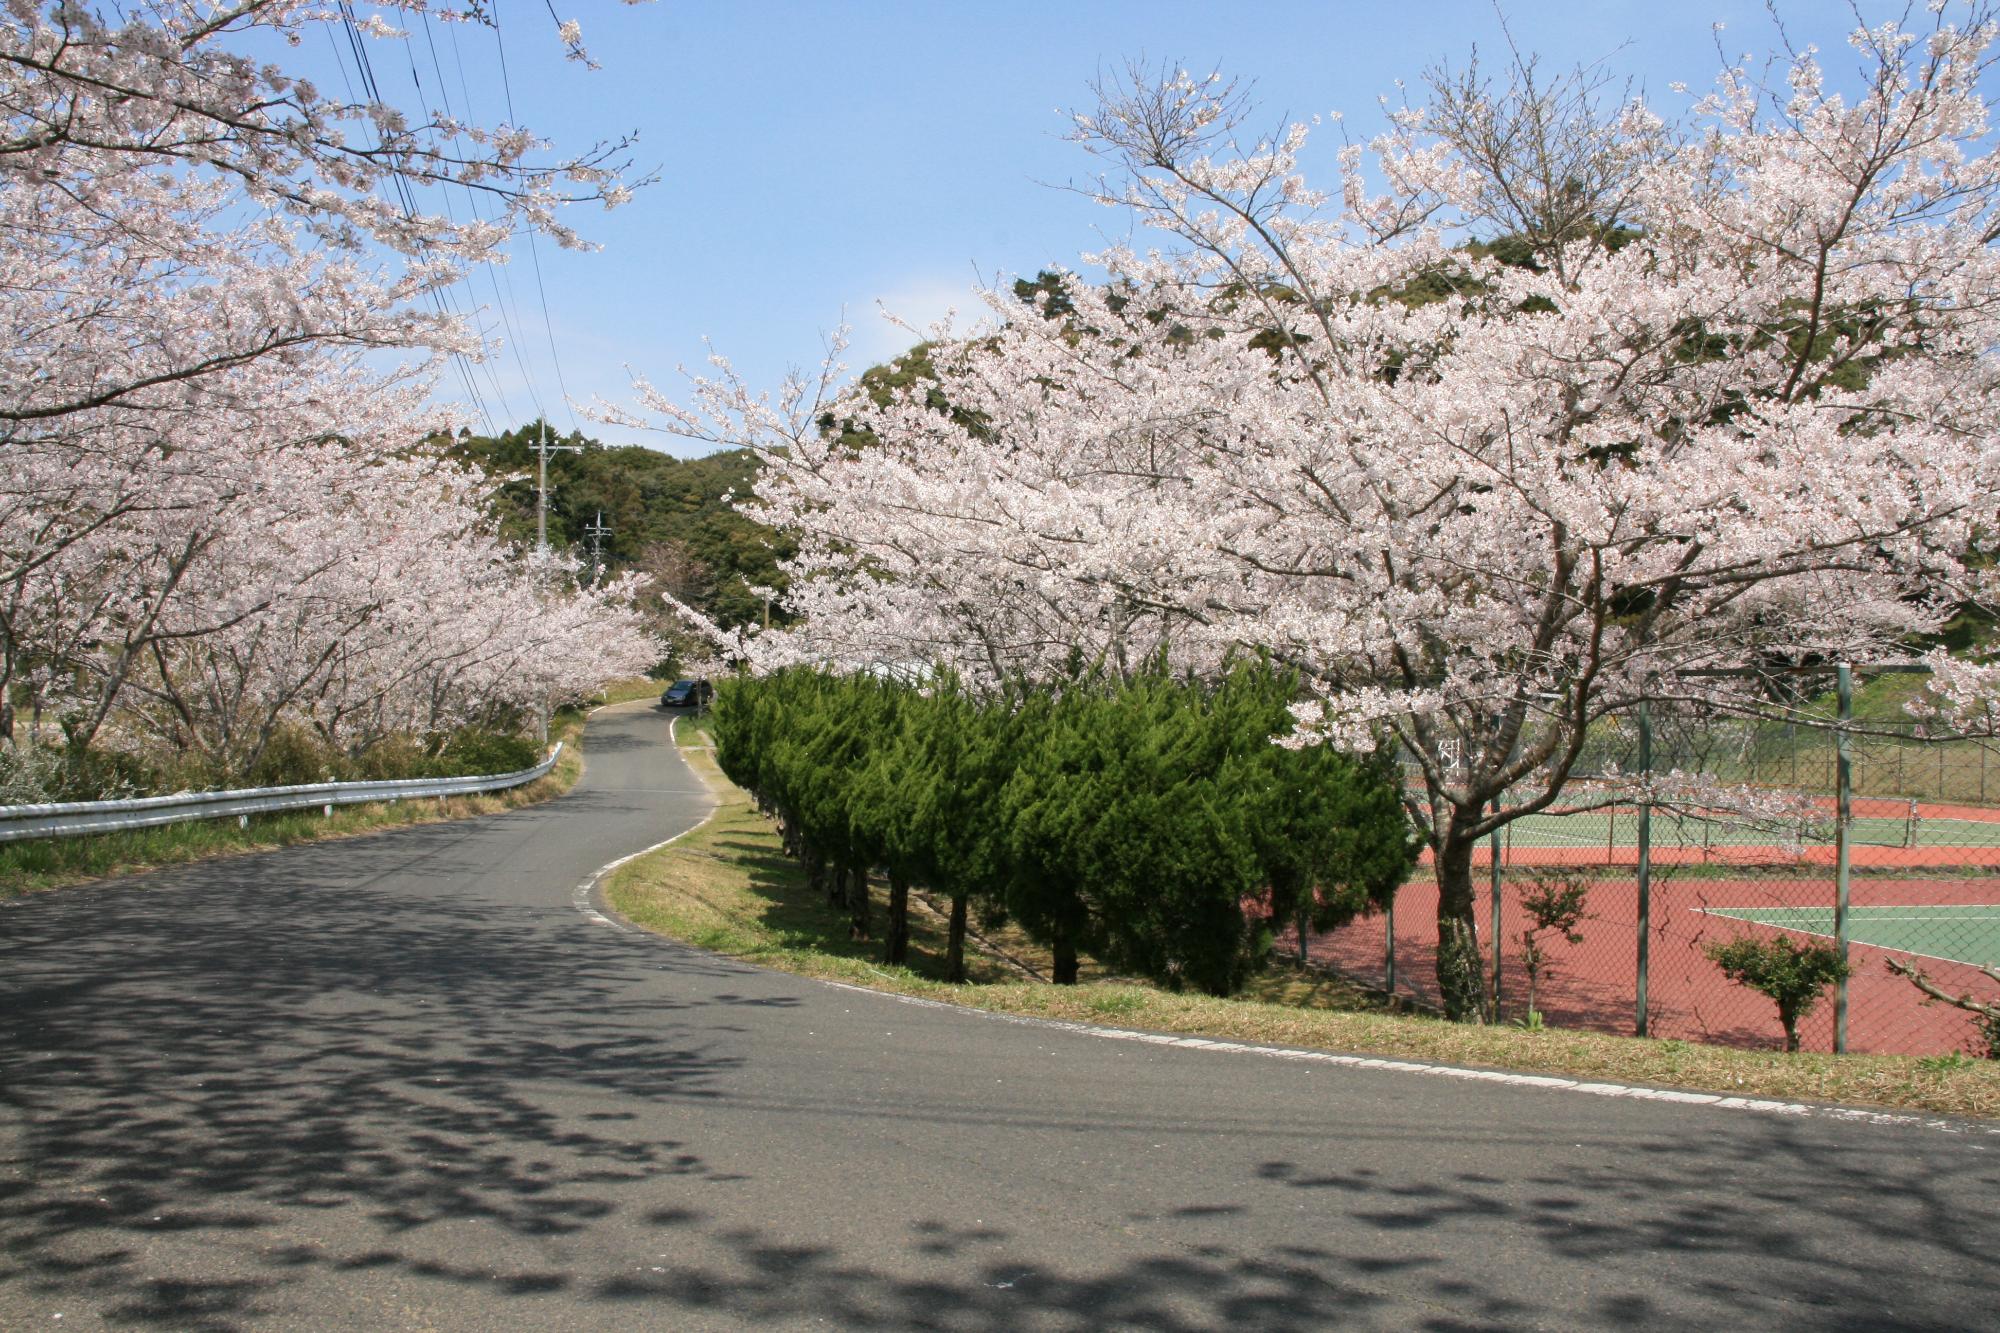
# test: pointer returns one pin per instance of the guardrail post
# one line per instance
(1844, 810)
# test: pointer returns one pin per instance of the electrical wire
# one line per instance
(534, 255)
(459, 361)
(444, 300)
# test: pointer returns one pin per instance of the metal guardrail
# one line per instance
(69, 819)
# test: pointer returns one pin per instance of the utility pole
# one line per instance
(543, 449)
(597, 532)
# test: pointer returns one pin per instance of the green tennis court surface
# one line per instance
(1601, 829)
(1950, 932)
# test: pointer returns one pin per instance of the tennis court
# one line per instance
(1913, 826)
(1951, 922)
(1947, 932)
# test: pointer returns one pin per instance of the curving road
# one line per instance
(402, 1082)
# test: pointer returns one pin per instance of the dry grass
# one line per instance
(729, 887)
(29, 867)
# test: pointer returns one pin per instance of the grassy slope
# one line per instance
(26, 867)
(729, 887)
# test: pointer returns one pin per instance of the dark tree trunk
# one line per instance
(1305, 928)
(898, 950)
(1461, 977)
(816, 872)
(954, 948)
(1064, 970)
(857, 903)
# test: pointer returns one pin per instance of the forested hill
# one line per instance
(667, 515)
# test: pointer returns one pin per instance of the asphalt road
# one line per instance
(402, 1082)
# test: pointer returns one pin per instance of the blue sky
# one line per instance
(815, 159)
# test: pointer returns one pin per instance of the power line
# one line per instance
(459, 362)
(534, 254)
(406, 197)
(508, 321)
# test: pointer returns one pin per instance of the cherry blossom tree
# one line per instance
(216, 515)
(1556, 404)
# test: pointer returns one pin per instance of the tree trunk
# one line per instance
(857, 903)
(954, 948)
(1065, 960)
(899, 920)
(1304, 925)
(1791, 1022)
(1461, 976)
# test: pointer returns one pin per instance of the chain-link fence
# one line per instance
(1613, 911)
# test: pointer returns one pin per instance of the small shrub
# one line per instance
(1791, 975)
(1553, 902)
(295, 757)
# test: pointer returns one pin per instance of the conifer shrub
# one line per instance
(1125, 819)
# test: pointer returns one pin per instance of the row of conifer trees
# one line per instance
(1150, 823)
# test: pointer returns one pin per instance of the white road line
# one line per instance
(580, 897)
(1547, 1081)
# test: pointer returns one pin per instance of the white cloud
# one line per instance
(917, 302)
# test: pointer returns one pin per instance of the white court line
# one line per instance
(1545, 1081)
(1859, 913)
(580, 897)
(1829, 935)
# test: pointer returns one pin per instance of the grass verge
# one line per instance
(52, 863)
(728, 887)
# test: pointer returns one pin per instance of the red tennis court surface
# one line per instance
(1592, 984)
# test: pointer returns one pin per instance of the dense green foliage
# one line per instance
(669, 517)
(1791, 975)
(1132, 821)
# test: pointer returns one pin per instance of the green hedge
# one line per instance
(1150, 823)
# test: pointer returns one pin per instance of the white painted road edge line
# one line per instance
(580, 898)
(1548, 1081)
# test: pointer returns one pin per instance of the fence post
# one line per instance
(1493, 881)
(1645, 859)
(1389, 948)
(1844, 808)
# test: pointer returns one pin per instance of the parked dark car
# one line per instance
(687, 694)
